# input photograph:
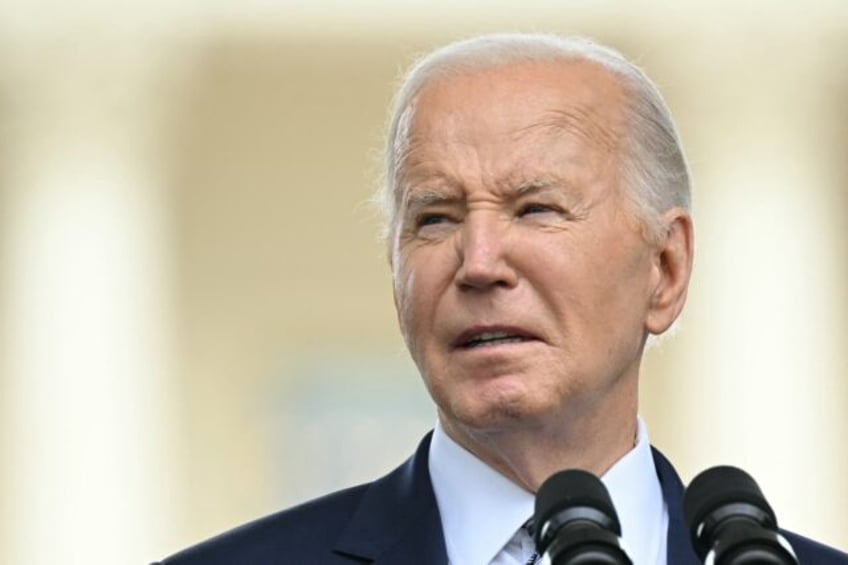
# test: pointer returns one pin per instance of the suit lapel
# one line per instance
(679, 548)
(397, 520)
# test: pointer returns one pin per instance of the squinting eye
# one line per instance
(431, 220)
(534, 209)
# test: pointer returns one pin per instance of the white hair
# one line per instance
(652, 161)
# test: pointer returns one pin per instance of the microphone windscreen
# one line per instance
(720, 486)
(570, 489)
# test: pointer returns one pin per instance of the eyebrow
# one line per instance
(536, 186)
(422, 198)
(426, 197)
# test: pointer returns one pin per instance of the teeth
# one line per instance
(486, 336)
(493, 338)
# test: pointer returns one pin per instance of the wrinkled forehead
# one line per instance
(581, 99)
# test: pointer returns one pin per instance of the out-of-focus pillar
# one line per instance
(88, 469)
(766, 326)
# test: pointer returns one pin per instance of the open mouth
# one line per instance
(473, 339)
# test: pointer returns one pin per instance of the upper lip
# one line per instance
(475, 331)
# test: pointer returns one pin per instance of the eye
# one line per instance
(535, 208)
(430, 220)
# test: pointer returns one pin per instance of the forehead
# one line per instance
(578, 99)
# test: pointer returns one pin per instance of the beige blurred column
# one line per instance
(88, 467)
(765, 332)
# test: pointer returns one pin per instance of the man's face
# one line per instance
(521, 278)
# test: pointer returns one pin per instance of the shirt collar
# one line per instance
(636, 493)
(481, 509)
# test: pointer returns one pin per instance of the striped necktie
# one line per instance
(528, 529)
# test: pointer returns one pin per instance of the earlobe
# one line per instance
(674, 268)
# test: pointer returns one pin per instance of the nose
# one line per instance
(483, 251)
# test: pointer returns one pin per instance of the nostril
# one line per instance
(485, 274)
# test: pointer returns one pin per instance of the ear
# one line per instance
(672, 269)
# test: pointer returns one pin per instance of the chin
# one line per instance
(490, 404)
(493, 415)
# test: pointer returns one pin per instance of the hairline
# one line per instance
(642, 106)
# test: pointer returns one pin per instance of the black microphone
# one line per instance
(576, 523)
(730, 521)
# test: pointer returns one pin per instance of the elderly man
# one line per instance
(539, 232)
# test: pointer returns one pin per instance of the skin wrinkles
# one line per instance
(429, 203)
(421, 181)
(581, 121)
(512, 216)
(425, 186)
(413, 170)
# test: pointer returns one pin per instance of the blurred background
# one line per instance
(196, 323)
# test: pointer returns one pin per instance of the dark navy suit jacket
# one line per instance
(395, 521)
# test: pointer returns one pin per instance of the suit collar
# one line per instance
(397, 520)
(679, 548)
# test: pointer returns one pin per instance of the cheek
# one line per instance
(403, 283)
(421, 278)
(591, 292)
(413, 300)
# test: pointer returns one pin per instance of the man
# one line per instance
(539, 232)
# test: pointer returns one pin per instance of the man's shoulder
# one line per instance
(279, 536)
(813, 552)
(350, 525)
(809, 552)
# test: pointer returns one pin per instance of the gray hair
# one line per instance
(653, 164)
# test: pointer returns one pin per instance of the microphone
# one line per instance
(730, 521)
(576, 523)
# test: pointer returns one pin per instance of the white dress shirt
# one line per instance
(482, 510)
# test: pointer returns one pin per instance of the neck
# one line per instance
(590, 437)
